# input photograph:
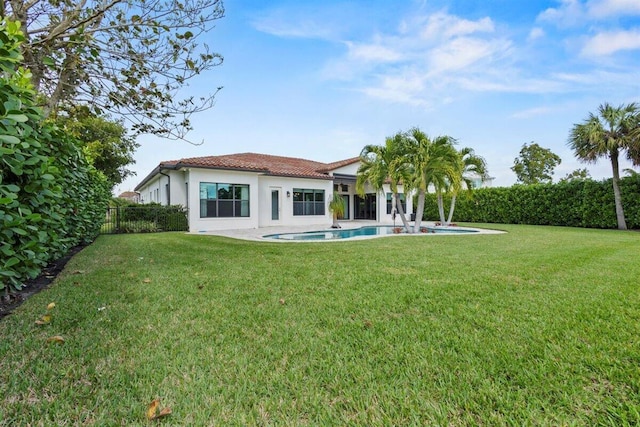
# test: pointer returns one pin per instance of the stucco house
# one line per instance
(250, 190)
(130, 196)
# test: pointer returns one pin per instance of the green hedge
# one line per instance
(586, 204)
(51, 199)
(152, 217)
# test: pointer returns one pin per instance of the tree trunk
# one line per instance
(419, 211)
(622, 224)
(335, 221)
(441, 207)
(451, 209)
(400, 210)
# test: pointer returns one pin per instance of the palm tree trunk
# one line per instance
(401, 212)
(441, 207)
(451, 208)
(622, 224)
(419, 211)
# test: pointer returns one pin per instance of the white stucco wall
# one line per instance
(351, 169)
(286, 185)
(196, 176)
(156, 189)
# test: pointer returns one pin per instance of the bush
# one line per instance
(587, 203)
(127, 218)
(51, 199)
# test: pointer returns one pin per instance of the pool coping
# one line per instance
(257, 234)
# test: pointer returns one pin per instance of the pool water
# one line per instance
(381, 230)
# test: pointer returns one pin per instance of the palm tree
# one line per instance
(434, 163)
(337, 208)
(385, 164)
(613, 130)
(471, 165)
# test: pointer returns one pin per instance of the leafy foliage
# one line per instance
(128, 58)
(577, 203)
(51, 199)
(105, 143)
(337, 208)
(578, 174)
(149, 218)
(613, 131)
(535, 164)
(380, 163)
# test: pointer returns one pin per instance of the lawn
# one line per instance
(539, 326)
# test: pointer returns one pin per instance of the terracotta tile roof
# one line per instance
(255, 162)
(335, 165)
(265, 163)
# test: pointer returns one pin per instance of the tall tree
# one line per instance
(434, 163)
(381, 164)
(472, 166)
(535, 164)
(105, 143)
(612, 131)
(130, 58)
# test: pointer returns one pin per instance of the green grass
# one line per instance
(540, 326)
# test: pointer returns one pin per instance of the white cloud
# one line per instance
(569, 13)
(509, 83)
(404, 88)
(301, 29)
(606, 8)
(442, 25)
(535, 33)
(576, 12)
(463, 52)
(310, 21)
(373, 52)
(607, 43)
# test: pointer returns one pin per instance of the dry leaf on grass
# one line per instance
(55, 338)
(147, 280)
(44, 320)
(51, 305)
(152, 410)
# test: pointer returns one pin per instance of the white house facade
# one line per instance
(250, 190)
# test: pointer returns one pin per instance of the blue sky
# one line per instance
(321, 79)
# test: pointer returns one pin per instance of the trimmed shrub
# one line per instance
(51, 199)
(588, 204)
(127, 218)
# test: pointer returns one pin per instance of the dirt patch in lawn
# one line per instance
(33, 286)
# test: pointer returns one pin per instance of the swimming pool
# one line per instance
(378, 230)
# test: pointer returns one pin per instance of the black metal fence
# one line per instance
(145, 219)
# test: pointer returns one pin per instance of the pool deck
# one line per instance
(257, 234)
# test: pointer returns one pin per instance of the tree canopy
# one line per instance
(128, 58)
(612, 131)
(105, 143)
(576, 175)
(535, 164)
(419, 163)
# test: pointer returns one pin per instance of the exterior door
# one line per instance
(275, 205)
(365, 208)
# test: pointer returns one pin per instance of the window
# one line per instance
(403, 202)
(308, 202)
(224, 200)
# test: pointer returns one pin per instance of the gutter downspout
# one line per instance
(168, 186)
